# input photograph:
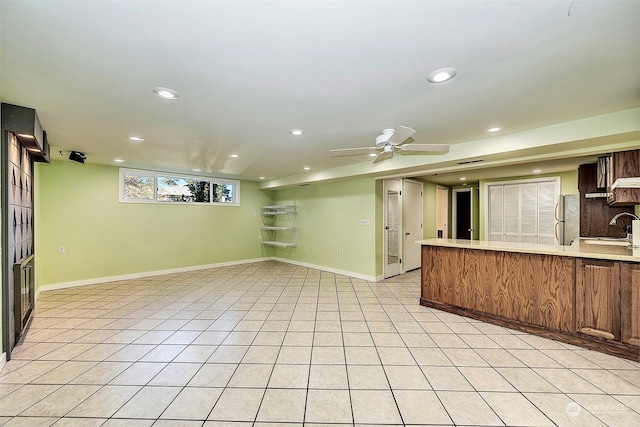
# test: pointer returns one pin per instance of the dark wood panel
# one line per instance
(630, 303)
(624, 164)
(595, 214)
(598, 298)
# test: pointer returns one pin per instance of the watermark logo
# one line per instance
(573, 409)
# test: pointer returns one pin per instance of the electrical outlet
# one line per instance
(60, 249)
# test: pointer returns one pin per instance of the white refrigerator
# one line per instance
(567, 219)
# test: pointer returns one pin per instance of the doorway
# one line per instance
(442, 212)
(465, 213)
(462, 212)
(412, 224)
(392, 233)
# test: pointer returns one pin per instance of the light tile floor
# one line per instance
(269, 344)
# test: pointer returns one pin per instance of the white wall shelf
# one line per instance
(280, 226)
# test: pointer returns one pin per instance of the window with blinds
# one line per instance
(522, 211)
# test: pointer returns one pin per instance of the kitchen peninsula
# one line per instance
(586, 294)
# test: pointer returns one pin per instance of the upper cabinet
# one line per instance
(595, 214)
(622, 191)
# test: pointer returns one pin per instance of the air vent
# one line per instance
(470, 161)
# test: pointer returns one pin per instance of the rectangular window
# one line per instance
(140, 186)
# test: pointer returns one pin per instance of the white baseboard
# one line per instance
(98, 280)
(3, 361)
(328, 269)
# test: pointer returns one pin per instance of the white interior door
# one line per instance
(412, 223)
(392, 219)
(442, 212)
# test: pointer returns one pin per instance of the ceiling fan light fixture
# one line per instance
(442, 75)
(165, 92)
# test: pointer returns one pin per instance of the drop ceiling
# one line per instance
(250, 71)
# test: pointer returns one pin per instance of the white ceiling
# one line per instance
(249, 71)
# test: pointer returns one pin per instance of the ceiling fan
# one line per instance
(387, 142)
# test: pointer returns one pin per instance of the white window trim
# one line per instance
(155, 174)
(555, 179)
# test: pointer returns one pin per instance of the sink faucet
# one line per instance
(633, 238)
(615, 218)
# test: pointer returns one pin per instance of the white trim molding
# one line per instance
(99, 280)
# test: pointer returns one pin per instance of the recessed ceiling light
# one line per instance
(307, 168)
(196, 170)
(373, 155)
(494, 129)
(166, 93)
(235, 156)
(118, 160)
(134, 138)
(442, 75)
(296, 132)
(537, 171)
(462, 178)
(262, 177)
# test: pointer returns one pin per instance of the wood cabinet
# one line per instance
(533, 288)
(598, 298)
(630, 303)
(589, 302)
(623, 164)
(595, 214)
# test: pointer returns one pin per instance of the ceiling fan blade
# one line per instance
(424, 147)
(401, 134)
(382, 156)
(352, 151)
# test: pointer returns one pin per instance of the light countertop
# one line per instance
(579, 248)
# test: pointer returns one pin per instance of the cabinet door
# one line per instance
(623, 164)
(630, 303)
(598, 298)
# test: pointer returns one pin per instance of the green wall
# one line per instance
(329, 218)
(77, 207)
